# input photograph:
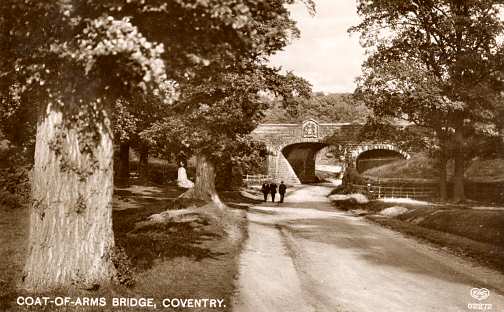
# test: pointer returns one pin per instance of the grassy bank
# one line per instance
(421, 167)
(176, 259)
(13, 244)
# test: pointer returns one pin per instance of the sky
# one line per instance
(326, 54)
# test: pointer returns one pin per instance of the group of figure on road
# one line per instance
(271, 188)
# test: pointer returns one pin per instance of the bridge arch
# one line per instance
(301, 157)
(300, 143)
(382, 154)
(293, 159)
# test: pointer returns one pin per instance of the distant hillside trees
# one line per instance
(336, 107)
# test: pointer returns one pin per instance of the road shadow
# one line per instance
(129, 196)
(377, 247)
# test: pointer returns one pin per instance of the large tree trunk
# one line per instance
(443, 189)
(124, 167)
(458, 175)
(144, 162)
(204, 186)
(71, 239)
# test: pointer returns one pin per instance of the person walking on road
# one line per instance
(282, 189)
(273, 190)
(265, 189)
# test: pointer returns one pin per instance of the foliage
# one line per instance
(222, 98)
(124, 267)
(437, 64)
(408, 138)
(15, 166)
(125, 123)
(324, 108)
(105, 49)
(76, 58)
(15, 186)
(127, 59)
(351, 177)
(246, 156)
(213, 128)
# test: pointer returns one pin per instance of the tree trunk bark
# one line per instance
(458, 175)
(443, 189)
(204, 186)
(71, 239)
(124, 167)
(144, 162)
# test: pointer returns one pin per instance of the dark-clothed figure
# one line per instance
(265, 190)
(273, 190)
(282, 189)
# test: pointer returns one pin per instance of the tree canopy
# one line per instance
(75, 65)
(438, 64)
(221, 98)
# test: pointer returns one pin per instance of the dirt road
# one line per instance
(305, 256)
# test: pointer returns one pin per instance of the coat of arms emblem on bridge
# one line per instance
(310, 129)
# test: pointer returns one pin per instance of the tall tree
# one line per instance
(436, 63)
(67, 62)
(124, 127)
(211, 119)
(128, 121)
(65, 65)
(221, 99)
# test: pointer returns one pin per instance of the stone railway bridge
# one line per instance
(294, 148)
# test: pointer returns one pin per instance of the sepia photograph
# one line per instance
(251, 155)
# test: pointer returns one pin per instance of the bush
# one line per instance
(124, 268)
(10, 200)
(352, 176)
(15, 186)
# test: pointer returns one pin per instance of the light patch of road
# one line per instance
(305, 256)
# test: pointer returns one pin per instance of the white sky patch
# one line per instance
(326, 54)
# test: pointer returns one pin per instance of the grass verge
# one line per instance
(195, 259)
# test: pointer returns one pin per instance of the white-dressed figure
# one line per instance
(182, 180)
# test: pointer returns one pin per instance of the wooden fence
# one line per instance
(162, 169)
(401, 191)
(256, 179)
